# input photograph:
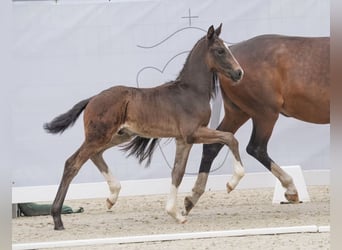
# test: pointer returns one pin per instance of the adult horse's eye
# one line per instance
(220, 51)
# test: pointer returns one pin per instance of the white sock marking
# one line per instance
(238, 173)
(114, 186)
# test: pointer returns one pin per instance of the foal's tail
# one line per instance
(142, 148)
(66, 120)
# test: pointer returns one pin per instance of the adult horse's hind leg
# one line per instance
(181, 158)
(257, 147)
(71, 168)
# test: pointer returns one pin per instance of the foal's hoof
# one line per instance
(109, 204)
(188, 205)
(292, 198)
(182, 220)
(57, 222)
(229, 188)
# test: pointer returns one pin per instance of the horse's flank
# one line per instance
(288, 74)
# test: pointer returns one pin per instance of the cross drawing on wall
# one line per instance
(190, 17)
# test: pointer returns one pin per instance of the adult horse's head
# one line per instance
(219, 57)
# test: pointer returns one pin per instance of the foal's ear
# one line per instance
(218, 30)
(211, 32)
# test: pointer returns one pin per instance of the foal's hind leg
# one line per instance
(71, 168)
(113, 183)
(181, 158)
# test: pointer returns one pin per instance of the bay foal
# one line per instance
(140, 116)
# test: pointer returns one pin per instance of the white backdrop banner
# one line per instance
(66, 51)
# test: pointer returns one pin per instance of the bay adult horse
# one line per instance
(283, 75)
(138, 117)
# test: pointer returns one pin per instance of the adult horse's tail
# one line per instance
(66, 120)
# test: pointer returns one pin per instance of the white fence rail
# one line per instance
(157, 186)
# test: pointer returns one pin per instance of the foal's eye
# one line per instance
(220, 51)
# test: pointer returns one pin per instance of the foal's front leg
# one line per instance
(210, 136)
(181, 158)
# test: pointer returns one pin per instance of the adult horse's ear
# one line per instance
(211, 32)
(218, 30)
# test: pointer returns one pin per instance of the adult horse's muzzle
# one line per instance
(236, 75)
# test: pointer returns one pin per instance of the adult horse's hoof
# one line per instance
(188, 204)
(109, 204)
(59, 227)
(292, 198)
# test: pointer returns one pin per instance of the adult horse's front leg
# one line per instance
(181, 158)
(257, 147)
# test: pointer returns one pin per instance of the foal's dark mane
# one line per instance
(143, 148)
(183, 73)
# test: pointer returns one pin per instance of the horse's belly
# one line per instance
(152, 130)
(312, 111)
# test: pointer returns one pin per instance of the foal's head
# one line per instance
(219, 57)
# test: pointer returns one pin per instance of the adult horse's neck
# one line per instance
(195, 73)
